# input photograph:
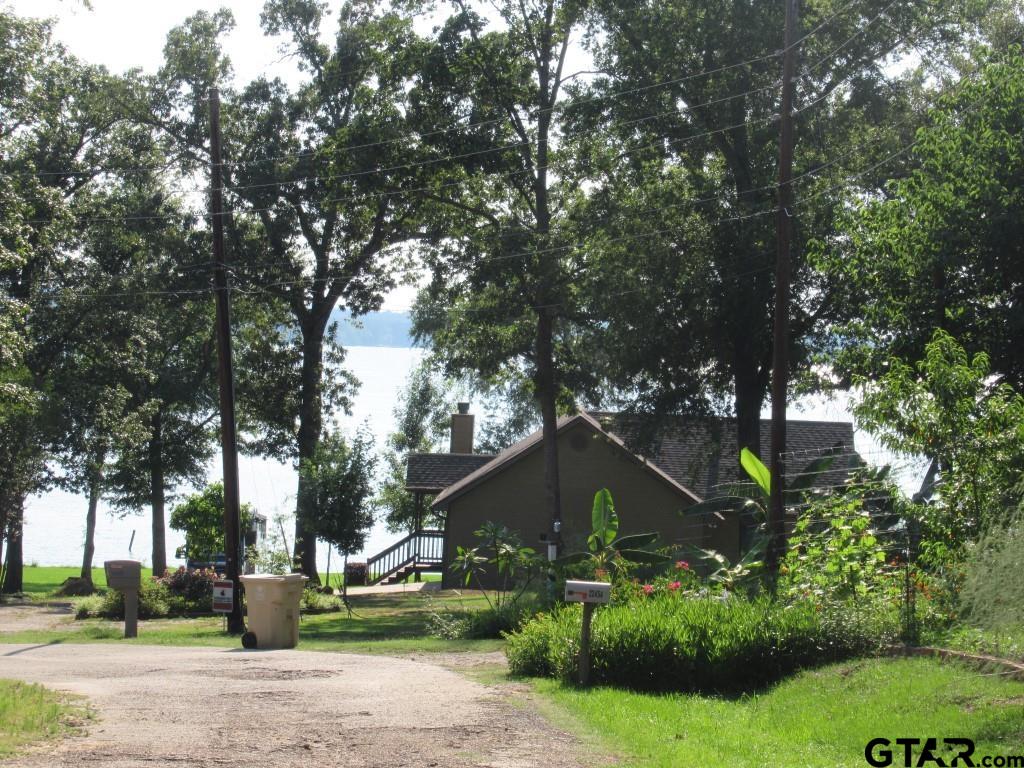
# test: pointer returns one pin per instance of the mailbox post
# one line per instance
(591, 594)
(125, 576)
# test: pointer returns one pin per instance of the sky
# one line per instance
(124, 34)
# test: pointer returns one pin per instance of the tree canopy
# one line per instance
(943, 247)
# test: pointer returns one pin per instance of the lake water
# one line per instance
(55, 521)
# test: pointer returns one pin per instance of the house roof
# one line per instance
(701, 452)
(433, 472)
(532, 443)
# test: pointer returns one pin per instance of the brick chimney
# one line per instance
(462, 430)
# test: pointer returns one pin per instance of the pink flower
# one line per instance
(648, 589)
(682, 565)
(674, 586)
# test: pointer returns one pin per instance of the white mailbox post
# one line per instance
(591, 594)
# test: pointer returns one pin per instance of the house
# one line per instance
(692, 458)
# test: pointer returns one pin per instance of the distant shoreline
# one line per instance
(376, 329)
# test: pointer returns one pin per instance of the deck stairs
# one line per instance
(417, 553)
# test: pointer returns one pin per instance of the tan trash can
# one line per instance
(273, 606)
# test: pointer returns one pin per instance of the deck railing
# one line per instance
(416, 549)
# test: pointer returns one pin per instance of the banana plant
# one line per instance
(605, 548)
(730, 575)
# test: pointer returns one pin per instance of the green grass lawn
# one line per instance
(30, 713)
(43, 580)
(821, 718)
(382, 623)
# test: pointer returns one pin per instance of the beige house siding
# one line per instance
(588, 461)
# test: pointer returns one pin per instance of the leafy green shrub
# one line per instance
(862, 626)
(201, 518)
(89, 606)
(154, 603)
(315, 601)
(190, 590)
(269, 559)
(502, 559)
(478, 624)
(671, 643)
(607, 553)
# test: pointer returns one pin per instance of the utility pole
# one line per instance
(225, 371)
(780, 342)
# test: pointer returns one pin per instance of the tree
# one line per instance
(306, 174)
(501, 304)
(685, 180)
(58, 125)
(336, 497)
(950, 409)
(422, 418)
(158, 269)
(943, 248)
(90, 414)
(201, 518)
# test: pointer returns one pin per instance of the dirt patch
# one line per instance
(22, 617)
(214, 707)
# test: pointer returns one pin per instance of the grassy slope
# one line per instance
(818, 718)
(29, 713)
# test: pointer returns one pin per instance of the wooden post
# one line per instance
(131, 612)
(584, 670)
(225, 374)
(419, 527)
(780, 339)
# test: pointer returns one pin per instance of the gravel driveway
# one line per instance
(164, 706)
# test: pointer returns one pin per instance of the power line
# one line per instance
(462, 127)
(614, 128)
(556, 249)
(492, 150)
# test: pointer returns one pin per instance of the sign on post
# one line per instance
(587, 592)
(223, 595)
(591, 594)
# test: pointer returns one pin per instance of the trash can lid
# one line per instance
(275, 578)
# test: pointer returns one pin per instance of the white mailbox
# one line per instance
(587, 592)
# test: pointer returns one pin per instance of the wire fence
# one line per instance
(849, 532)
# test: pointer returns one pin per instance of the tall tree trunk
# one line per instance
(546, 394)
(310, 425)
(3, 532)
(13, 577)
(89, 548)
(749, 400)
(156, 494)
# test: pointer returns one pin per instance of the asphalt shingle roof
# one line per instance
(701, 452)
(433, 472)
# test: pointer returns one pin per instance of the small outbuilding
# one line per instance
(694, 457)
